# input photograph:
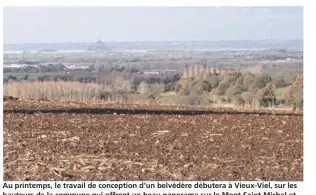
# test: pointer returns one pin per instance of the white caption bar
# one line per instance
(152, 188)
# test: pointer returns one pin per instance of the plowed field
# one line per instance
(94, 141)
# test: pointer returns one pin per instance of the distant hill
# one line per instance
(176, 45)
(98, 46)
(48, 50)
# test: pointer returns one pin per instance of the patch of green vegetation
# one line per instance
(280, 92)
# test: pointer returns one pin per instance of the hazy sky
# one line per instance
(110, 24)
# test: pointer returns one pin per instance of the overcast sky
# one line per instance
(111, 24)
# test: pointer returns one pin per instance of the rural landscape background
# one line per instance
(218, 109)
(161, 74)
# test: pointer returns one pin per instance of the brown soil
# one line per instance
(57, 141)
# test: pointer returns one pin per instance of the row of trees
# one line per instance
(239, 89)
(246, 89)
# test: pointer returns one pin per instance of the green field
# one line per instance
(279, 92)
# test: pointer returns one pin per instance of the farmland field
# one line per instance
(51, 140)
(280, 92)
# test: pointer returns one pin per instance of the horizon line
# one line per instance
(156, 41)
